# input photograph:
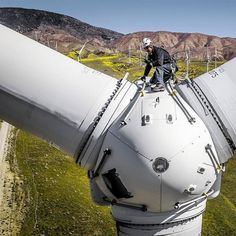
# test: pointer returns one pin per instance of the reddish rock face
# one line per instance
(180, 42)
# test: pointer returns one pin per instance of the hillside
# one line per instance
(65, 33)
(55, 30)
(180, 42)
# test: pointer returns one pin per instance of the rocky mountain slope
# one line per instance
(179, 43)
(55, 30)
(65, 33)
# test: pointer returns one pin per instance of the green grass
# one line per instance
(57, 191)
(58, 196)
(116, 65)
(196, 68)
(220, 216)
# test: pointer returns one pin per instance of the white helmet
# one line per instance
(146, 42)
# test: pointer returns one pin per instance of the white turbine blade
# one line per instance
(220, 85)
(212, 95)
(46, 93)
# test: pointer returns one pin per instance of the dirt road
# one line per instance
(11, 211)
(4, 131)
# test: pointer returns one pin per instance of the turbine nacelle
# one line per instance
(156, 163)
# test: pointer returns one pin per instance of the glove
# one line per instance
(148, 62)
(143, 78)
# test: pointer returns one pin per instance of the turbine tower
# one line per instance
(154, 157)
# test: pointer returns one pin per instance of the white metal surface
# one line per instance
(219, 85)
(136, 142)
(48, 94)
(135, 147)
(190, 227)
(212, 96)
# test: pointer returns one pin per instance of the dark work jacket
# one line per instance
(158, 57)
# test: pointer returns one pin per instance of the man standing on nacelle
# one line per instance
(161, 59)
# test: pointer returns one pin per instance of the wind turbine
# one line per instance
(154, 157)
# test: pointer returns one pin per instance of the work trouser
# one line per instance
(162, 74)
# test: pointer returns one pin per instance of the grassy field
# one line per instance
(220, 216)
(57, 192)
(117, 65)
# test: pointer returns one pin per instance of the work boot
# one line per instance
(157, 87)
